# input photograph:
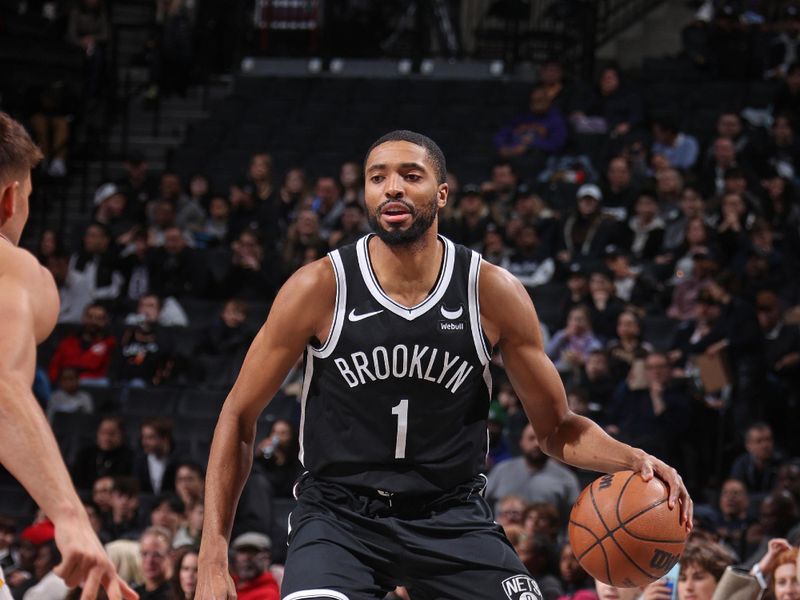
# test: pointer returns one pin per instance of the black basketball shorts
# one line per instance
(348, 544)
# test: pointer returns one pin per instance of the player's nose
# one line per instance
(394, 186)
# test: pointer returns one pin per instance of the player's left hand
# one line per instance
(649, 466)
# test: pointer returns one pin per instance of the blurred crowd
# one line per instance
(664, 266)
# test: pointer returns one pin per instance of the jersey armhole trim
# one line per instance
(339, 309)
(473, 295)
(321, 593)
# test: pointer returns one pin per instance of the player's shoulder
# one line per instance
(314, 282)
(498, 286)
(20, 269)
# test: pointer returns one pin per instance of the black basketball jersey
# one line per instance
(397, 398)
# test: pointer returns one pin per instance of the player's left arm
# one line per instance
(509, 319)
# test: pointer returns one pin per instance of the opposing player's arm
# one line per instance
(510, 320)
(302, 310)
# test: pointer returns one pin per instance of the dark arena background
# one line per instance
(636, 164)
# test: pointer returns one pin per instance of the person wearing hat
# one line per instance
(586, 230)
(252, 553)
(111, 204)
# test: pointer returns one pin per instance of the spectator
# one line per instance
(577, 583)
(534, 477)
(88, 351)
(510, 511)
(570, 347)
(153, 311)
(781, 150)
(729, 125)
(293, 196)
(351, 227)
(785, 584)
(652, 414)
(49, 586)
(690, 206)
(98, 264)
(167, 512)
(155, 465)
(782, 355)
(617, 111)
(145, 356)
(587, 231)
(541, 520)
(535, 135)
(101, 495)
(712, 176)
(277, 458)
(644, 234)
(327, 204)
(678, 148)
(351, 183)
(701, 567)
(609, 592)
(200, 190)
(139, 185)
(780, 208)
(124, 521)
(787, 98)
(604, 305)
(215, 231)
(224, 342)
(189, 214)
(777, 516)
(500, 191)
(494, 249)
(174, 269)
(618, 189)
(108, 456)
(249, 274)
(303, 236)
(134, 263)
(68, 398)
(468, 225)
(155, 544)
(597, 380)
(251, 560)
(693, 280)
(551, 80)
(758, 466)
(627, 348)
(88, 28)
(577, 290)
(161, 217)
(110, 210)
(669, 186)
(9, 557)
(530, 262)
(633, 285)
(189, 482)
(124, 554)
(183, 583)
(734, 520)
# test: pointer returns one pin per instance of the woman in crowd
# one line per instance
(183, 582)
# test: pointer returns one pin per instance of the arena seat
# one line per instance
(148, 402)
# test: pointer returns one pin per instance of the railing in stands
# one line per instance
(614, 16)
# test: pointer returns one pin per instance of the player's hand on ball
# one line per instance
(649, 466)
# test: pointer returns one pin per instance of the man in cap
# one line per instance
(587, 230)
(252, 553)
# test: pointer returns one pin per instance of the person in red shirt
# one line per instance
(88, 351)
(252, 555)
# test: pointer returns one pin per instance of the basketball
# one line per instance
(623, 532)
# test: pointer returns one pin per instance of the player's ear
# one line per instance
(441, 195)
(8, 200)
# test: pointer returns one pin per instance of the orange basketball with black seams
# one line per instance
(623, 532)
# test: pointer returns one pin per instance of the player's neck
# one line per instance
(407, 273)
(7, 238)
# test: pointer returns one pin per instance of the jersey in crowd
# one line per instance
(396, 399)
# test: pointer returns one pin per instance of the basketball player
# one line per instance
(397, 331)
(28, 311)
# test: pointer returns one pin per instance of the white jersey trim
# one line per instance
(307, 375)
(316, 594)
(339, 309)
(473, 295)
(408, 313)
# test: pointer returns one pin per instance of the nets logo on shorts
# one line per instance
(521, 587)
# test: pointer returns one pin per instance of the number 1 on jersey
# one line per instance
(401, 410)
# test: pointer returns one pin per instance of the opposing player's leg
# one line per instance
(459, 552)
(333, 550)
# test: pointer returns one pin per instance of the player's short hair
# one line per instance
(18, 152)
(435, 153)
(707, 555)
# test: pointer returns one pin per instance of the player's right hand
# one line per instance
(214, 584)
(85, 563)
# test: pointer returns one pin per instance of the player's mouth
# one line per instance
(395, 212)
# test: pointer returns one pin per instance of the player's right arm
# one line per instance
(28, 448)
(303, 310)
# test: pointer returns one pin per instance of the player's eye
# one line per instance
(376, 178)
(413, 177)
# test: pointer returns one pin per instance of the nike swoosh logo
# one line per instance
(452, 314)
(354, 317)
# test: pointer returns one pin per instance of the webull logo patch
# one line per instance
(451, 326)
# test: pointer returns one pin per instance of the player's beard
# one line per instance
(421, 221)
